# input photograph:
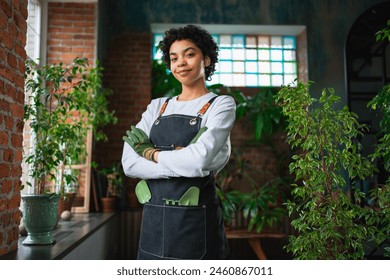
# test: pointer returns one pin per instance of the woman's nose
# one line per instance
(182, 62)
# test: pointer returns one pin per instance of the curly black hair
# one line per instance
(199, 36)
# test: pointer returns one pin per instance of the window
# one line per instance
(33, 52)
(33, 29)
(250, 59)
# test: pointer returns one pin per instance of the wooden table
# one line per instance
(254, 239)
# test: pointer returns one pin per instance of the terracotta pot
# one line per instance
(109, 204)
(66, 202)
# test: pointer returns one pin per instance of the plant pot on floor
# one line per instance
(40, 215)
(109, 204)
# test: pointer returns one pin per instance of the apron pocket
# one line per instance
(184, 231)
(151, 238)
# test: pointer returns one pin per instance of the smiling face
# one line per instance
(188, 63)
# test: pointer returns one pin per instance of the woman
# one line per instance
(177, 147)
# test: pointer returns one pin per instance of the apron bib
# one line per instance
(170, 230)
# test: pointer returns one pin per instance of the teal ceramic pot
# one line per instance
(40, 216)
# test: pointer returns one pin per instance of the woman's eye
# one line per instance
(173, 59)
(190, 54)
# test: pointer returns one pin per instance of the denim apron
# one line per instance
(171, 231)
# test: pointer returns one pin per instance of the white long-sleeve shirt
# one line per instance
(210, 152)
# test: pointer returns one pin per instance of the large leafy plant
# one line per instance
(259, 206)
(328, 214)
(264, 117)
(64, 103)
(381, 102)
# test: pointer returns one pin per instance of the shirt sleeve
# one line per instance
(136, 166)
(212, 149)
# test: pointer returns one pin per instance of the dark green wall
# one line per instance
(327, 23)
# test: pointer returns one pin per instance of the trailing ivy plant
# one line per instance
(327, 211)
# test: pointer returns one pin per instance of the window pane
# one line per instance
(263, 41)
(226, 79)
(216, 38)
(289, 67)
(157, 55)
(225, 54)
(289, 79)
(251, 54)
(239, 79)
(251, 42)
(264, 80)
(276, 55)
(277, 67)
(157, 39)
(289, 42)
(238, 41)
(289, 55)
(251, 67)
(251, 80)
(264, 67)
(225, 66)
(226, 41)
(238, 67)
(277, 80)
(214, 79)
(33, 30)
(239, 54)
(276, 42)
(264, 55)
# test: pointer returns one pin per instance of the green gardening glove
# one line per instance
(140, 142)
(200, 132)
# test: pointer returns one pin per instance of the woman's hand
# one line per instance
(140, 143)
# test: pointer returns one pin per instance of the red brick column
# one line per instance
(127, 71)
(13, 29)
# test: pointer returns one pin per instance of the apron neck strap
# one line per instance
(200, 113)
(163, 107)
(206, 106)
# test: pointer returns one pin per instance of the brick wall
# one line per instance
(71, 32)
(128, 73)
(13, 28)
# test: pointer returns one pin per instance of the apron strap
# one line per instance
(163, 107)
(206, 106)
(162, 110)
(201, 112)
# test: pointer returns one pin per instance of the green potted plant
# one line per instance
(60, 110)
(381, 194)
(263, 116)
(327, 211)
(252, 209)
(92, 114)
(114, 188)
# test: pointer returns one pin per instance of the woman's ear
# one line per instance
(207, 61)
